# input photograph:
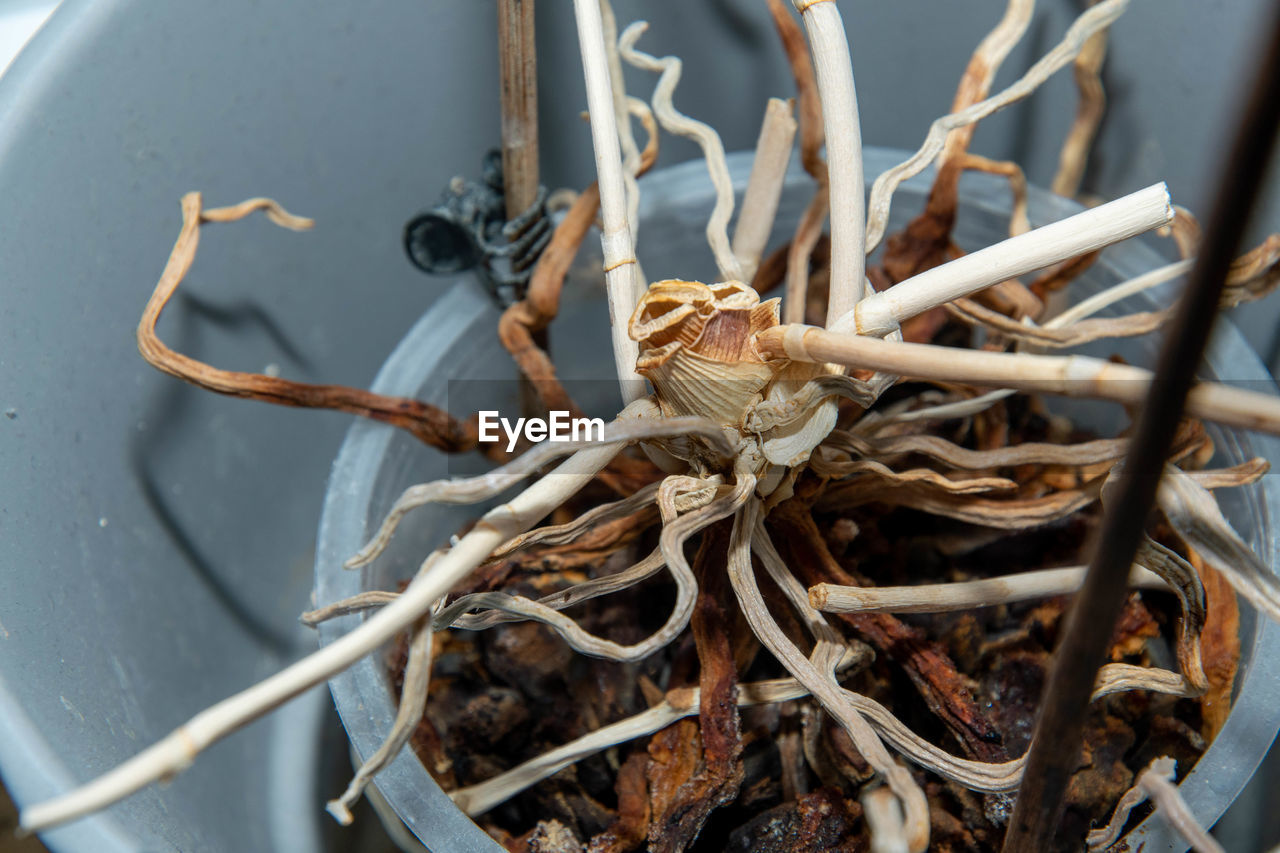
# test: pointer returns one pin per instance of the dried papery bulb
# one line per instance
(697, 347)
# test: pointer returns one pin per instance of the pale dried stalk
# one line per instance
(996, 513)
(983, 65)
(1073, 375)
(270, 207)
(827, 466)
(357, 603)
(1078, 333)
(566, 598)
(1094, 304)
(675, 532)
(178, 750)
(1137, 284)
(823, 686)
(1194, 514)
(678, 704)
(622, 115)
(1243, 474)
(520, 609)
(1012, 172)
(1093, 103)
(834, 72)
(946, 597)
(673, 121)
(776, 567)
(1101, 839)
(471, 490)
(1005, 776)
(1095, 19)
(884, 821)
(488, 618)
(764, 187)
(413, 703)
(1186, 584)
(809, 228)
(560, 534)
(1254, 274)
(1123, 677)
(943, 411)
(1087, 231)
(1027, 453)
(620, 269)
(1251, 277)
(1157, 782)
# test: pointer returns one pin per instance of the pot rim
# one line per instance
(362, 693)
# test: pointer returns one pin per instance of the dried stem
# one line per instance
(945, 597)
(1073, 376)
(764, 187)
(674, 534)
(809, 229)
(622, 115)
(368, 600)
(1012, 172)
(518, 69)
(822, 684)
(1075, 334)
(1092, 305)
(620, 268)
(1026, 453)
(834, 73)
(882, 313)
(808, 233)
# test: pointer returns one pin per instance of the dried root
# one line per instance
(429, 424)
(1156, 783)
(1095, 20)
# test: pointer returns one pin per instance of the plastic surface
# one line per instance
(376, 464)
(356, 113)
(156, 540)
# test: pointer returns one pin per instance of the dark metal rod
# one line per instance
(1055, 751)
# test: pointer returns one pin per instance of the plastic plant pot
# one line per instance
(456, 342)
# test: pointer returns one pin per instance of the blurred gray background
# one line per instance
(157, 540)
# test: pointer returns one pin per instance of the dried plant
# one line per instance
(754, 424)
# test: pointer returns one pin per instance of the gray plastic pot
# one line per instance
(355, 113)
(455, 341)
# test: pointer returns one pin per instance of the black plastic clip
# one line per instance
(468, 229)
